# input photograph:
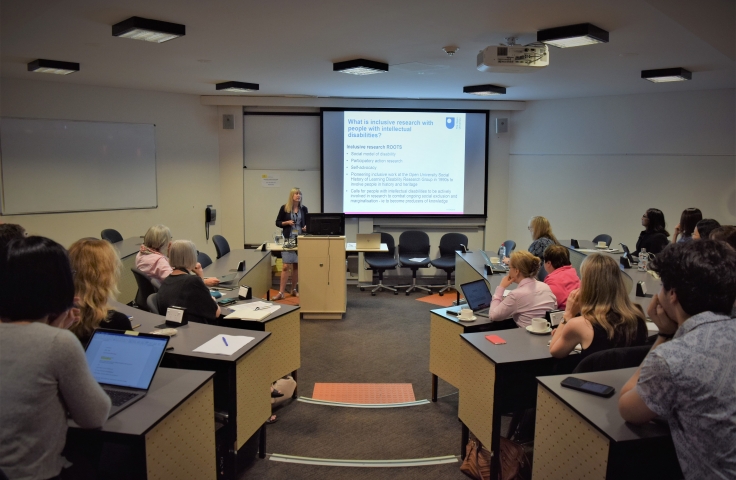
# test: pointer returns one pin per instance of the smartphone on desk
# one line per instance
(588, 387)
(226, 301)
(495, 339)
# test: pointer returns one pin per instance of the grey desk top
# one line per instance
(229, 262)
(477, 263)
(169, 389)
(602, 413)
(192, 335)
(442, 313)
(520, 346)
(129, 246)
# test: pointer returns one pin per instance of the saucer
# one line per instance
(471, 319)
(603, 248)
(543, 332)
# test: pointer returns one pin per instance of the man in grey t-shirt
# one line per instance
(689, 377)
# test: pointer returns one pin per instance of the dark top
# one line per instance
(190, 292)
(654, 242)
(114, 321)
(602, 342)
(285, 216)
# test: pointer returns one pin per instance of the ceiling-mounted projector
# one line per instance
(513, 58)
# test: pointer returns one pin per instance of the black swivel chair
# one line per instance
(152, 303)
(414, 244)
(510, 247)
(204, 259)
(449, 244)
(145, 288)
(111, 235)
(613, 359)
(221, 245)
(603, 238)
(380, 262)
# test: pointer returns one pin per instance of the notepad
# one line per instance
(224, 344)
(252, 311)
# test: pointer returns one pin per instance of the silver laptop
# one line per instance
(368, 241)
(478, 297)
(124, 364)
(231, 277)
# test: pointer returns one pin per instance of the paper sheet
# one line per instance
(418, 260)
(218, 346)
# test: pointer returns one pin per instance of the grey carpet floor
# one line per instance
(382, 339)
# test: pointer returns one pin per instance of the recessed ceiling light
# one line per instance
(360, 66)
(237, 87)
(53, 66)
(663, 75)
(155, 31)
(573, 35)
(485, 90)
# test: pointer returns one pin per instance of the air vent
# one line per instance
(503, 51)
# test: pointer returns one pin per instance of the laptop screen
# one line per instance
(477, 294)
(124, 360)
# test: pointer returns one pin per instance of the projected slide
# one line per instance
(404, 162)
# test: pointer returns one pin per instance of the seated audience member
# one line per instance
(599, 315)
(654, 236)
(184, 287)
(561, 276)
(530, 299)
(151, 259)
(688, 219)
(704, 227)
(9, 231)
(97, 271)
(689, 375)
(725, 233)
(44, 371)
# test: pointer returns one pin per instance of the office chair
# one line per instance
(603, 238)
(203, 259)
(449, 243)
(221, 245)
(414, 244)
(152, 303)
(613, 359)
(111, 235)
(510, 247)
(145, 288)
(542, 274)
(380, 262)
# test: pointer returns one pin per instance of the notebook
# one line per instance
(368, 241)
(478, 296)
(124, 364)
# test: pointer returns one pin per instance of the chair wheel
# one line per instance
(407, 294)
(373, 294)
(441, 294)
(397, 292)
(362, 289)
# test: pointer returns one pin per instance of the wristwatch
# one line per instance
(564, 321)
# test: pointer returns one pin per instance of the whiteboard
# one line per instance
(262, 201)
(51, 166)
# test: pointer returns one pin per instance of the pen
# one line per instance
(223, 339)
(136, 326)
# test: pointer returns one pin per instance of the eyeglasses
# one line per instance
(530, 228)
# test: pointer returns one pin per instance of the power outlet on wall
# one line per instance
(228, 122)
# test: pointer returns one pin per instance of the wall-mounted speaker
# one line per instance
(502, 125)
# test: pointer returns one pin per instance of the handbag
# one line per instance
(514, 462)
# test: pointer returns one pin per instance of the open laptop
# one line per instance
(231, 278)
(478, 296)
(124, 364)
(368, 241)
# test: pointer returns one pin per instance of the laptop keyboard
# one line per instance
(119, 398)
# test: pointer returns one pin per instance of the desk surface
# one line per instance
(602, 413)
(192, 335)
(129, 246)
(229, 263)
(520, 346)
(442, 313)
(278, 313)
(353, 247)
(169, 389)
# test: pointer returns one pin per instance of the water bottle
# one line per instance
(502, 251)
(643, 259)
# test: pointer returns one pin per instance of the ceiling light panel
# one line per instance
(237, 87)
(53, 66)
(155, 31)
(360, 66)
(573, 35)
(664, 75)
(485, 90)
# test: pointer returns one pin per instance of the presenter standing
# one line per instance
(292, 219)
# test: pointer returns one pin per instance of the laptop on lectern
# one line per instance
(124, 363)
(368, 241)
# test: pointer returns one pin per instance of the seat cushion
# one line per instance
(444, 263)
(381, 262)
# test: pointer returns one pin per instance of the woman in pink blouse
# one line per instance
(561, 276)
(531, 299)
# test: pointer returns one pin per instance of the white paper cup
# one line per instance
(466, 314)
(540, 324)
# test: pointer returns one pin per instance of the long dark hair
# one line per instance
(656, 222)
(688, 220)
(35, 279)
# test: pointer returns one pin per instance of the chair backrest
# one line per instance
(204, 259)
(450, 242)
(603, 238)
(388, 239)
(221, 245)
(542, 273)
(145, 288)
(152, 302)
(613, 359)
(414, 241)
(510, 247)
(111, 235)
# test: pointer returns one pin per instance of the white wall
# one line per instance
(187, 156)
(594, 165)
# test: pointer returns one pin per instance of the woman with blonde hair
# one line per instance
(292, 219)
(542, 236)
(530, 299)
(96, 273)
(599, 315)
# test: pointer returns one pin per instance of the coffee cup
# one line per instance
(602, 245)
(495, 260)
(540, 325)
(466, 314)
